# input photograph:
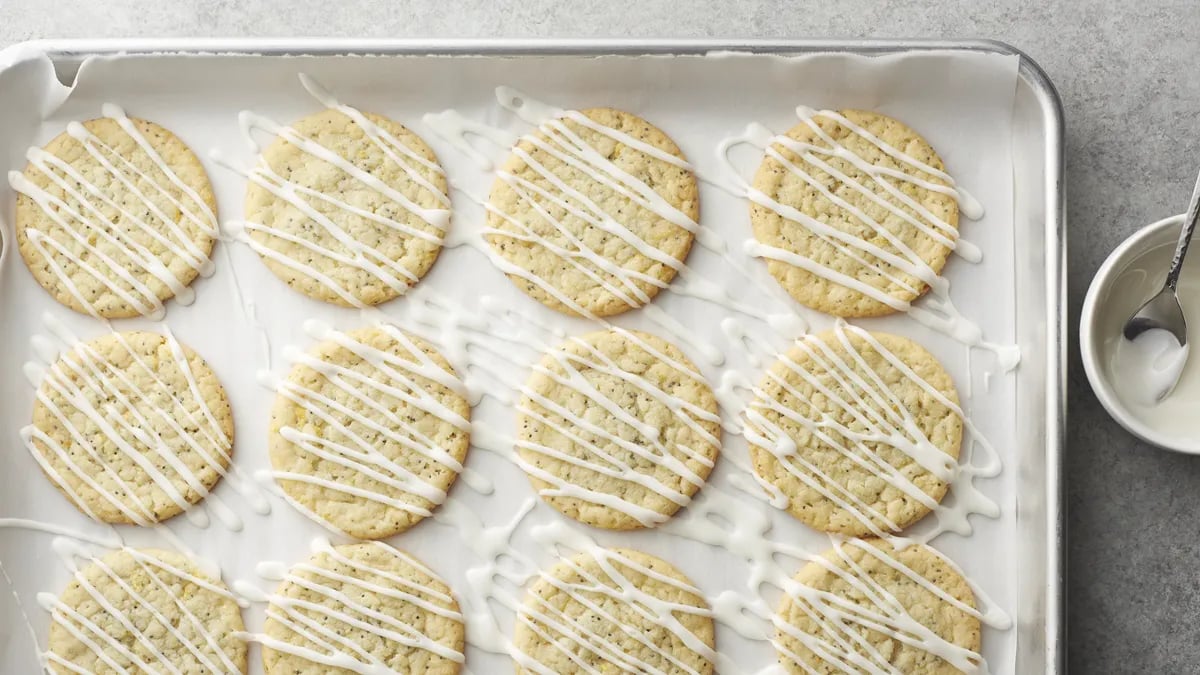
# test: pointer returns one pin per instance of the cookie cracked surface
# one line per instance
(349, 208)
(617, 429)
(369, 431)
(614, 610)
(836, 205)
(145, 610)
(585, 221)
(833, 618)
(115, 216)
(860, 431)
(132, 427)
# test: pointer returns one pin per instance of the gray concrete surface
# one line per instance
(1129, 75)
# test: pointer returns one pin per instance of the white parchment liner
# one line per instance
(961, 102)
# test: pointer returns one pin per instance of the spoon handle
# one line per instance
(1185, 236)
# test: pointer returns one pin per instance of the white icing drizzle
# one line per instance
(875, 414)
(499, 584)
(714, 516)
(458, 130)
(350, 251)
(896, 263)
(395, 377)
(558, 140)
(568, 147)
(166, 579)
(719, 519)
(979, 458)
(494, 546)
(457, 332)
(248, 306)
(110, 540)
(337, 651)
(86, 226)
(126, 421)
(646, 442)
(840, 619)
(33, 638)
(492, 336)
(73, 546)
(553, 625)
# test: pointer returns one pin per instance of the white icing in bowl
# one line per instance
(1146, 368)
(1128, 377)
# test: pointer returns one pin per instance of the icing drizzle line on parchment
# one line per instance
(122, 419)
(352, 252)
(559, 141)
(89, 221)
(938, 312)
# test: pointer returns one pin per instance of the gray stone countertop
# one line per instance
(1129, 77)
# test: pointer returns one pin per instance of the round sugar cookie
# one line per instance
(614, 610)
(145, 610)
(132, 427)
(351, 608)
(591, 213)
(369, 431)
(857, 212)
(114, 216)
(879, 580)
(349, 209)
(860, 431)
(617, 429)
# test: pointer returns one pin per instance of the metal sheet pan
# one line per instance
(1039, 242)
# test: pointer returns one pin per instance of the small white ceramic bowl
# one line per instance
(1155, 235)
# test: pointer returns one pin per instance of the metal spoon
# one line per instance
(1163, 310)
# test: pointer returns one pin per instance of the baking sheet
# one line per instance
(961, 101)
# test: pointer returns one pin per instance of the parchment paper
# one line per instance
(961, 102)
